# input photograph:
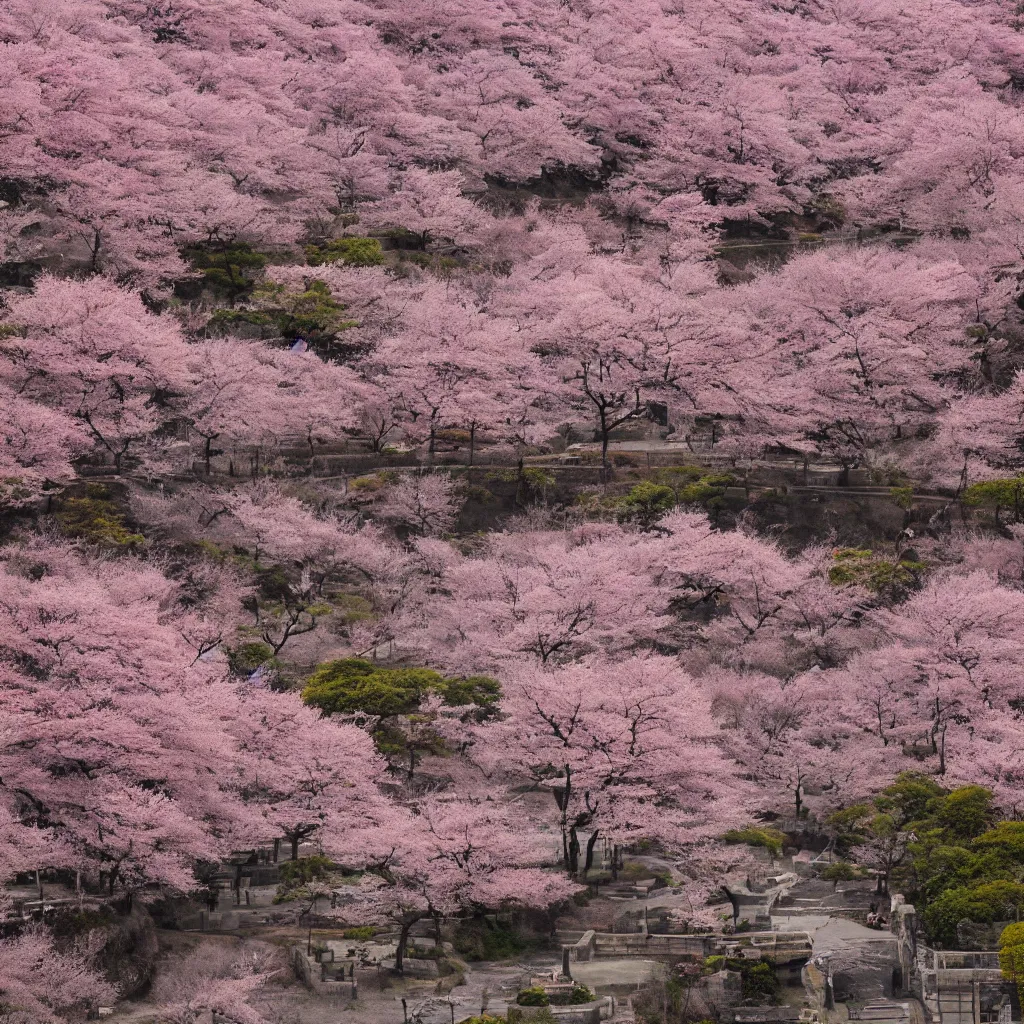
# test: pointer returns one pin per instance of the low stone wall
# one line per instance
(607, 944)
(310, 973)
(413, 968)
(304, 967)
(774, 947)
(583, 950)
(584, 1013)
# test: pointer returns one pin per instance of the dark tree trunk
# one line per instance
(403, 940)
(574, 852)
(589, 862)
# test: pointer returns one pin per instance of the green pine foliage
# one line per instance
(863, 568)
(96, 519)
(351, 252)
(356, 686)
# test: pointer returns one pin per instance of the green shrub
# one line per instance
(247, 657)
(313, 314)
(903, 496)
(694, 484)
(862, 567)
(535, 996)
(352, 252)
(429, 953)
(305, 870)
(96, 519)
(483, 691)
(634, 870)
(753, 835)
(1011, 955)
(223, 319)
(581, 994)
(959, 862)
(760, 981)
(227, 268)
(838, 872)
(646, 503)
(373, 482)
(354, 686)
(296, 875)
(453, 435)
(998, 495)
(362, 934)
(537, 480)
(967, 813)
(984, 904)
(705, 490)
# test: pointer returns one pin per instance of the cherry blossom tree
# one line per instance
(118, 716)
(425, 504)
(308, 776)
(90, 351)
(40, 984)
(222, 980)
(454, 855)
(554, 597)
(39, 446)
(628, 750)
(430, 208)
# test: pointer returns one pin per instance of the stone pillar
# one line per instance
(565, 963)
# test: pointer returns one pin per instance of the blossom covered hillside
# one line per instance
(457, 456)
